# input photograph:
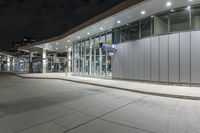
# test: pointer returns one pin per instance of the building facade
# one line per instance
(152, 40)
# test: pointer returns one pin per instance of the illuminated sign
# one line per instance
(106, 46)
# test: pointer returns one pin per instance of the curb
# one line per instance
(118, 88)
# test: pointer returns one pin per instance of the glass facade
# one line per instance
(195, 18)
(181, 19)
(161, 23)
(89, 59)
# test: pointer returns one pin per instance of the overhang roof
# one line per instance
(128, 11)
(124, 5)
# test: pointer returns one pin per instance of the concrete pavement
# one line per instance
(57, 106)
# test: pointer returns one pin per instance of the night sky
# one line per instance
(42, 19)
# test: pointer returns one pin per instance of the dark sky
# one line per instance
(42, 19)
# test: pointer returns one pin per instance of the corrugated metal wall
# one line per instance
(167, 58)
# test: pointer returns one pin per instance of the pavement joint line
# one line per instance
(99, 117)
(127, 125)
(41, 123)
(118, 88)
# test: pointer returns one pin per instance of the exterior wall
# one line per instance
(168, 58)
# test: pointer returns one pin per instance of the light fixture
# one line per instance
(88, 33)
(57, 43)
(172, 10)
(188, 7)
(65, 46)
(56, 48)
(78, 37)
(168, 4)
(190, 0)
(101, 28)
(143, 12)
(118, 21)
(68, 41)
(152, 16)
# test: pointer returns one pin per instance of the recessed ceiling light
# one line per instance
(143, 12)
(68, 41)
(56, 48)
(65, 46)
(101, 28)
(172, 10)
(188, 7)
(78, 37)
(118, 21)
(168, 4)
(190, 0)
(57, 43)
(88, 33)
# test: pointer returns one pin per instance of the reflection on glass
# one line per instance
(195, 18)
(130, 32)
(179, 20)
(161, 23)
(116, 36)
(146, 27)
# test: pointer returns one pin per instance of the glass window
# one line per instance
(146, 27)
(130, 32)
(179, 20)
(97, 40)
(109, 37)
(161, 23)
(103, 38)
(116, 35)
(195, 18)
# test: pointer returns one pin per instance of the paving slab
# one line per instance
(100, 126)
(74, 120)
(49, 127)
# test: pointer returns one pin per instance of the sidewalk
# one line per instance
(183, 92)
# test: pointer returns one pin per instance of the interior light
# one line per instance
(68, 41)
(143, 12)
(88, 33)
(168, 4)
(118, 21)
(188, 7)
(101, 28)
(57, 43)
(78, 37)
(190, 0)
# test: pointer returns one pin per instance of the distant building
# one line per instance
(23, 42)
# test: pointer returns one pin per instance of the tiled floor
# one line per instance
(54, 106)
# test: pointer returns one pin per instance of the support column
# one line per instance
(55, 61)
(44, 58)
(90, 58)
(69, 60)
(30, 61)
(8, 63)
